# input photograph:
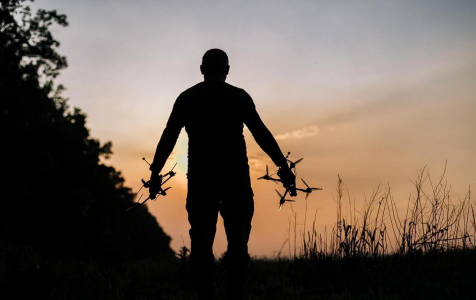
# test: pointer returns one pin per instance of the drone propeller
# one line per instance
(171, 173)
(145, 184)
(163, 191)
(309, 189)
(266, 176)
(281, 200)
(281, 203)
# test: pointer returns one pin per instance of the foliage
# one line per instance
(58, 197)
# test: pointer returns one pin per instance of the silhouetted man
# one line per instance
(213, 113)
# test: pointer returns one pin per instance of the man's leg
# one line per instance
(237, 215)
(202, 215)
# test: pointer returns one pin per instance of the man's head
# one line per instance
(215, 65)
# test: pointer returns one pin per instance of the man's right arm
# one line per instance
(166, 144)
(169, 137)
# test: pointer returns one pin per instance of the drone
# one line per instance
(292, 190)
(163, 178)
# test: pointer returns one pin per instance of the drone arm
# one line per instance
(163, 182)
(169, 137)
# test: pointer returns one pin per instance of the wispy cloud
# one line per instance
(299, 133)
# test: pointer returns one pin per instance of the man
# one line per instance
(213, 113)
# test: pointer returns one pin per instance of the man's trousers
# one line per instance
(237, 213)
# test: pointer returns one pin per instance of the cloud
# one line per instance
(299, 133)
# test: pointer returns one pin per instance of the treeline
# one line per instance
(58, 200)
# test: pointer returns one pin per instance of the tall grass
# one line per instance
(432, 222)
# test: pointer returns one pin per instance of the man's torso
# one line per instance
(213, 113)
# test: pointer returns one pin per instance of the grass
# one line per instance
(433, 222)
(448, 275)
(376, 252)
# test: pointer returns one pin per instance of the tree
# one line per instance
(57, 195)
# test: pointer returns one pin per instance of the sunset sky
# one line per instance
(370, 90)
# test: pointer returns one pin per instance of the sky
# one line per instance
(368, 90)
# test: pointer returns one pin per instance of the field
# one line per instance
(371, 254)
(449, 275)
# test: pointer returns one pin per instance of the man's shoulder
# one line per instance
(236, 89)
(191, 89)
(232, 87)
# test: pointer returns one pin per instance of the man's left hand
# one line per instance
(288, 179)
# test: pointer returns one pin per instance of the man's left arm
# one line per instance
(266, 141)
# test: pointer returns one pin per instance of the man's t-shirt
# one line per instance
(213, 114)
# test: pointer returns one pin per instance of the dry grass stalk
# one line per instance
(433, 222)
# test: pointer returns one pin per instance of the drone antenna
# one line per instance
(137, 204)
(143, 158)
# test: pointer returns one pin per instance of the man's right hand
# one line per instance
(154, 185)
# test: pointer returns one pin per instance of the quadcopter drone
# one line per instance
(146, 184)
(292, 190)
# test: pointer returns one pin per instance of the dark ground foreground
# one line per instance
(450, 275)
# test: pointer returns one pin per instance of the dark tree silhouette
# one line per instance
(57, 197)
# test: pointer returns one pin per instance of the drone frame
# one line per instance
(292, 190)
(146, 184)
